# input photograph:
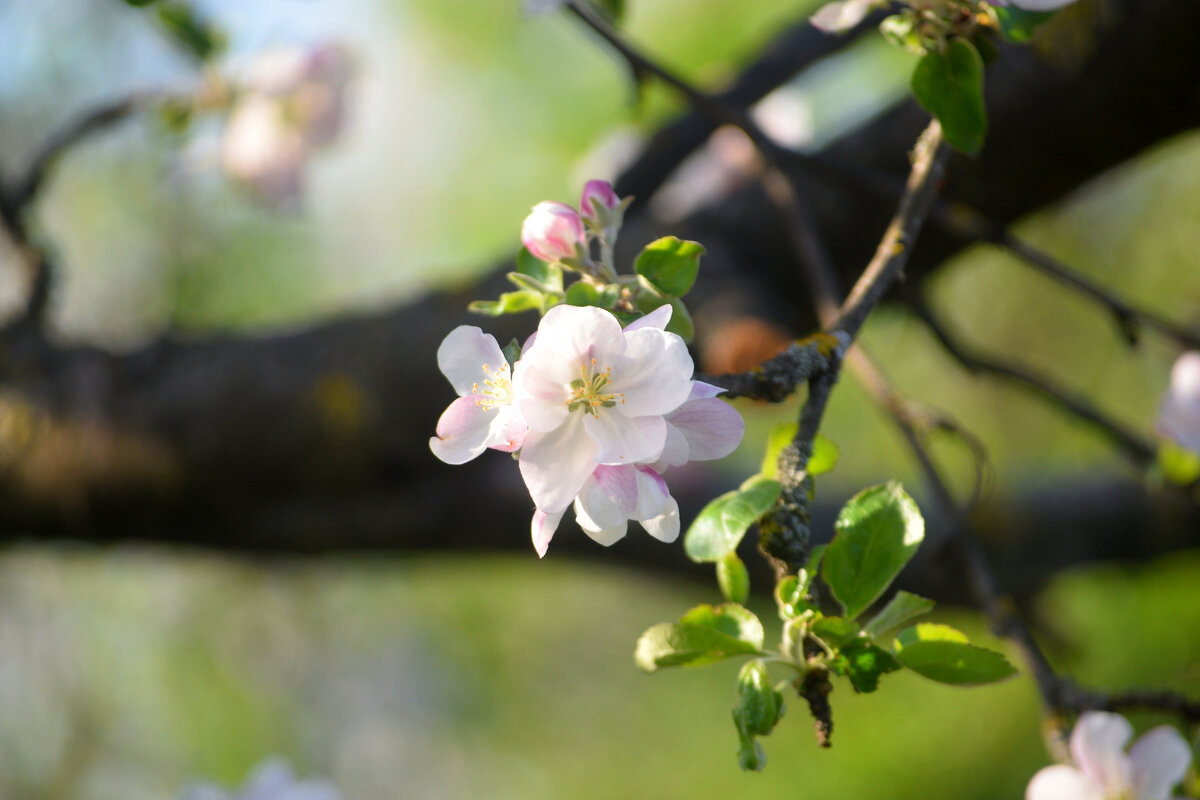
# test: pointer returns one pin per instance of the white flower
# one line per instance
(483, 416)
(1179, 414)
(1104, 771)
(591, 394)
(703, 428)
(273, 779)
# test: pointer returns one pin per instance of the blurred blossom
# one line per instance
(1103, 770)
(273, 779)
(292, 101)
(1179, 413)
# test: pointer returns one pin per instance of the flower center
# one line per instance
(496, 389)
(587, 391)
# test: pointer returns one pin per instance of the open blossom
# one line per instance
(273, 779)
(292, 101)
(1103, 770)
(702, 429)
(1179, 414)
(592, 394)
(553, 232)
(483, 416)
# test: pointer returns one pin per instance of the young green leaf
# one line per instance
(509, 303)
(733, 579)
(942, 654)
(758, 710)
(949, 85)
(899, 610)
(703, 635)
(1019, 25)
(835, 631)
(720, 525)
(863, 663)
(669, 265)
(189, 29)
(878, 531)
(582, 293)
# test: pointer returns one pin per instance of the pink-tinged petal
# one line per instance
(539, 391)
(700, 390)
(655, 374)
(543, 527)
(675, 450)
(1041, 5)
(610, 496)
(553, 231)
(664, 527)
(507, 431)
(1160, 759)
(712, 428)
(1062, 783)
(657, 319)
(598, 533)
(462, 431)
(1098, 748)
(622, 440)
(652, 494)
(598, 195)
(556, 463)
(463, 355)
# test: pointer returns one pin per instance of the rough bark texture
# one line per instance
(317, 440)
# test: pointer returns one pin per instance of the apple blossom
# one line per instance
(1035, 5)
(483, 416)
(1103, 770)
(1179, 413)
(591, 394)
(554, 232)
(273, 779)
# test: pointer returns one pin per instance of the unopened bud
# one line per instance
(553, 232)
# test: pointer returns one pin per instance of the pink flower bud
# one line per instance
(598, 196)
(553, 232)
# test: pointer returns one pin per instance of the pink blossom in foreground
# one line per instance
(1103, 770)
(553, 232)
(1179, 413)
(483, 416)
(592, 394)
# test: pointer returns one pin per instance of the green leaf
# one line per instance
(949, 85)
(942, 654)
(190, 30)
(582, 293)
(720, 525)
(509, 303)
(681, 321)
(791, 593)
(1017, 24)
(899, 610)
(863, 663)
(835, 631)
(1179, 466)
(703, 635)
(824, 456)
(549, 275)
(760, 706)
(669, 265)
(878, 531)
(898, 29)
(751, 757)
(733, 579)
(140, 3)
(512, 351)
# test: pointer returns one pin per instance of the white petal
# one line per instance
(1098, 747)
(1160, 759)
(609, 496)
(664, 527)
(654, 375)
(675, 450)
(555, 464)
(581, 334)
(463, 354)
(507, 431)
(1062, 783)
(624, 440)
(658, 318)
(652, 494)
(701, 389)
(543, 527)
(462, 430)
(712, 427)
(541, 387)
(598, 533)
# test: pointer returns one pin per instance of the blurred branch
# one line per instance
(1058, 692)
(1138, 450)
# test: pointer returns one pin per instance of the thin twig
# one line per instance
(1136, 448)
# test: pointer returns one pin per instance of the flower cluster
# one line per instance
(1155, 763)
(596, 411)
(291, 101)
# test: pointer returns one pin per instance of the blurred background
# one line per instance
(134, 669)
